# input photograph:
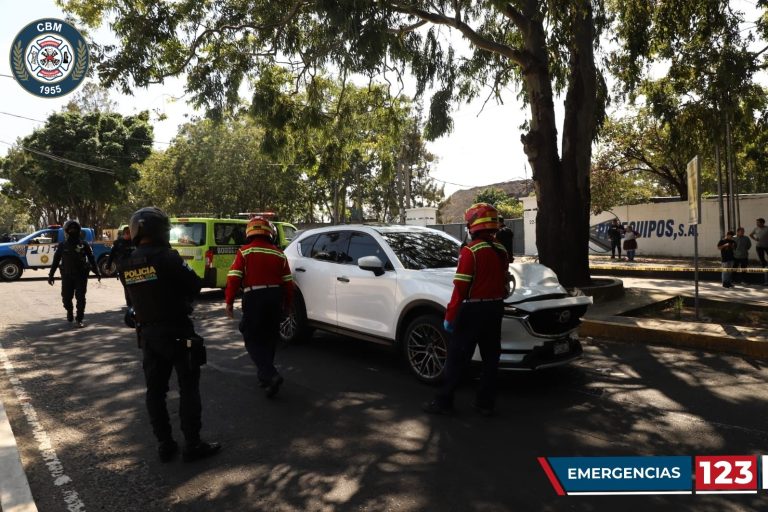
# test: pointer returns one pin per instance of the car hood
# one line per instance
(534, 283)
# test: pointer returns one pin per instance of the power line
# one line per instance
(40, 121)
(63, 160)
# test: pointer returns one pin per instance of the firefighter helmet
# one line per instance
(150, 222)
(481, 217)
(259, 226)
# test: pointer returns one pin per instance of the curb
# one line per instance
(675, 338)
(15, 494)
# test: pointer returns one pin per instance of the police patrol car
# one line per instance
(35, 251)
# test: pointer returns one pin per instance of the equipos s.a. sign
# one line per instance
(49, 58)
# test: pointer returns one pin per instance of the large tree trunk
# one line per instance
(562, 186)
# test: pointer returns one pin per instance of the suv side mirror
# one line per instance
(372, 263)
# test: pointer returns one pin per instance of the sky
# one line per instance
(484, 147)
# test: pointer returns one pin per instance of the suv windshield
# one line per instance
(187, 233)
(417, 251)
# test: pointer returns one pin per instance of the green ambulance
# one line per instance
(208, 245)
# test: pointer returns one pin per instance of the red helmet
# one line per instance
(258, 226)
(480, 217)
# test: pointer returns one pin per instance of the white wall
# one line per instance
(420, 216)
(663, 226)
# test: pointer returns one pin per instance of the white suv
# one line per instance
(391, 284)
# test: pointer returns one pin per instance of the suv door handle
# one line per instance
(343, 279)
(301, 269)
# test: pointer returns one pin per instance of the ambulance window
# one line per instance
(229, 234)
(188, 233)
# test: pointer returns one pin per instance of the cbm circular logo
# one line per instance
(49, 58)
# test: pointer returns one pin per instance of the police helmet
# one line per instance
(72, 228)
(150, 222)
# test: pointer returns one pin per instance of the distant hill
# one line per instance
(452, 209)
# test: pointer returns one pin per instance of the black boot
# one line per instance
(274, 386)
(200, 450)
(166, 450)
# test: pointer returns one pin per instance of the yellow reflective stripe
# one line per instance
(235, 273)
(263, 251)
(287, 278)
(481, 245)
(499, 246)
(483, 220)
(462, 277)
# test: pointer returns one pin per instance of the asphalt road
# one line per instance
(346, 431)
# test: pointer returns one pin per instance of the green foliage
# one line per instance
(306, 155)
(41, 174)
(509, 207)
(13, 216)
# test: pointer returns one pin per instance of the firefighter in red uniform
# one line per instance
(473, 316)
(262, 271)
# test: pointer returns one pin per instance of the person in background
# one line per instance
(726, 246)
(741, 254)
(76, 258)
(630, 242)
(121, 249)
(615, 232)
(760, 235)
(506, 237)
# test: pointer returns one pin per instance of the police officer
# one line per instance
(121, 249)
(161, 287)
(261, 269)
(474, 314)
(506, 237)
(75, 257)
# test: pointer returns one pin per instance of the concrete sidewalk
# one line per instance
(605, 319)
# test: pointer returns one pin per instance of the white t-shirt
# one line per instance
(761, 234)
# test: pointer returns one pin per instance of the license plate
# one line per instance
(561, 347)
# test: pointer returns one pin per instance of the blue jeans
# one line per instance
(727, 275)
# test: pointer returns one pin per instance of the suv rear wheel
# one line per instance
(425, 346)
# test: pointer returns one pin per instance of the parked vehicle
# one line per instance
(208, 245)
(391, 284)
(35, 251)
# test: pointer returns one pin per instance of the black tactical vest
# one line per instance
(74, 258)
(159, 286)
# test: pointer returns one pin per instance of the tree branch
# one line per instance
(515, 55)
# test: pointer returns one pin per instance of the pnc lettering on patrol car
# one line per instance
(140, 275)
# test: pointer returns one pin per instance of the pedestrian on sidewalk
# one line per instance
(615, 232)
(760, 235)
(262, 271)
(741, 254)
(630, 241)
(726, 247)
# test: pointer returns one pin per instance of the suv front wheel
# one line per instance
(293, 327)
(425, 346)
